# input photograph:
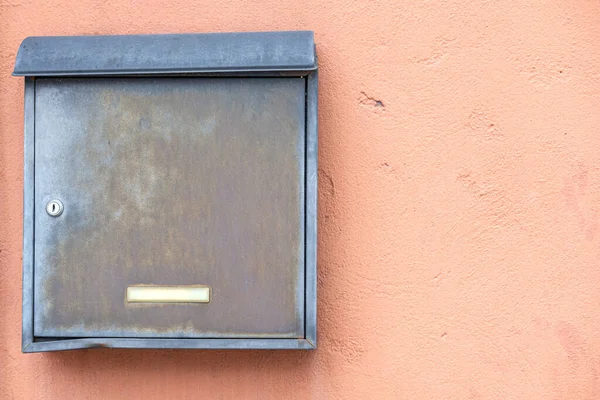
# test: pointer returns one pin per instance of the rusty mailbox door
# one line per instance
(169, 210)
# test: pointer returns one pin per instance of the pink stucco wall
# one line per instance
(459, 236)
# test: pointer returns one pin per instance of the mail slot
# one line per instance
(170, 191)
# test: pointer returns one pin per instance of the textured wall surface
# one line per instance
(459, 236)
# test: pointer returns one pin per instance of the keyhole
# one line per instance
(54, 208)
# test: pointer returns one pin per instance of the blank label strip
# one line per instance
(168, 294)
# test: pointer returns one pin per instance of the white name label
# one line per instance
(168, 294)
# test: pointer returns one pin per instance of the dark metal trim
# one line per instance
(289, 53)
(124, 343)
(310, 259)
(28, 212)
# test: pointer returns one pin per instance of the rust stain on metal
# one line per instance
(181, 182)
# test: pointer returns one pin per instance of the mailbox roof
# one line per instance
(291, 53)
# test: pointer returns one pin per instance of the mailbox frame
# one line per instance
(252, 54)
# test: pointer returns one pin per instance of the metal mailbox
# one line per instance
(170, 191)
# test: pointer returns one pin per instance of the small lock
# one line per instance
(54, 208)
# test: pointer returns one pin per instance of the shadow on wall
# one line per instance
(171, 362)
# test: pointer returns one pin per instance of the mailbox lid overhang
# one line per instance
(290, 53)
